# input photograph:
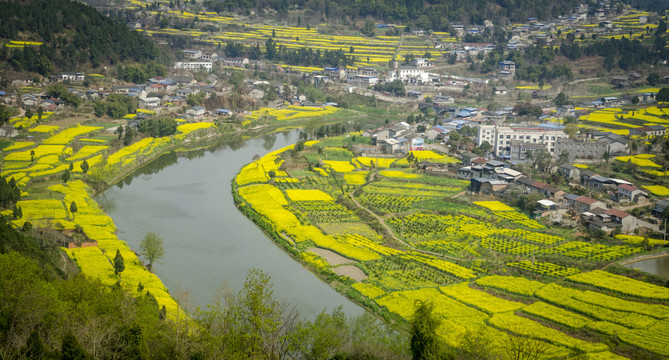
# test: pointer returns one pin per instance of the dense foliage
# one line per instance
(73, 34)
(428, 14)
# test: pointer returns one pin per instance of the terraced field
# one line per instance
(484, 265)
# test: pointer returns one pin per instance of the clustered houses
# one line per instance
(496, 177)
(501, 137)
(396, 139)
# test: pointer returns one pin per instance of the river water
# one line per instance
(208, 243)
(657, 266)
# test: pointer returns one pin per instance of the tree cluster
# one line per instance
(395, 87)
(141, 73)
(116, 106)
(427, 14)
(60, 91)
(74, 34)
(9, 192)
(160, 127)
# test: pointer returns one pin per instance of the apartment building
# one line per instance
(500, 137)
(193, 65)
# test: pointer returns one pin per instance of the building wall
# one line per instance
(581, 149)
(500, 137)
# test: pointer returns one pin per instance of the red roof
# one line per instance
(617, 213)
(586, 200)
(627, 187)
(479, 161)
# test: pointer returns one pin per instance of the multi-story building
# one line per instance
(409, 74)
(579, 149)
(362, 81)
(500, 137)
(193, 65)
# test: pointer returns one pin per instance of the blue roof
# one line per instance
(551, 126)
(2, 93)
(471, 109)
(330, 69)
(223, 110)
(463, 113)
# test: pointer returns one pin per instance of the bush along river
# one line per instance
(185, 198)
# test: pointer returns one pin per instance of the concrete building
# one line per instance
(421, 62)
(519, 149)
(149, 103)
(500, 137)
(193, 65)
(579, 149)
(570, 171)
(628, 192)
(584, 204)
(362, 81)
(627, 222)
(411, 75)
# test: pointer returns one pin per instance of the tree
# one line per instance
(653, 79)
(237, 78)
(571, 129)
(485, 146)
(72, 349)
(270, 49)
(66, 176)
(73, 208)
(663, 94)
(424, 341)
(119, 265)
(542, 159)
(368, 28)
(563, 158)
(151, 248)
(561, 99)
(84, 166)
(635, 100)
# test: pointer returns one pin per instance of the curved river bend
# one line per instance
(187, 200)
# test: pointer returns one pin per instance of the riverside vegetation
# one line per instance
(501, 284)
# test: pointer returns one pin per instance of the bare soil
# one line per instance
(330, 256)
(350, 271)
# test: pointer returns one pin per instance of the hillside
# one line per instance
(429, 14)
(50, 36)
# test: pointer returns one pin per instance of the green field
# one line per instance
(423, 241)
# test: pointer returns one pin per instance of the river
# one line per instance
(656, 266)
(208, 243)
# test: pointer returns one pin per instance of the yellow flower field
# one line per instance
(44, 129)
(494, 205)
(339, 166)
(638, 160)
(374, 162)
(19, 145)
(398, 174)
(658, 190)
(65, 136)
(308, 195)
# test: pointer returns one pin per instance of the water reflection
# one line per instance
(186, 198)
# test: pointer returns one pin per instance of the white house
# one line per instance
(192, 53)
(362, 81)
(149, 103)
(193, 65)
(196, 112)
(420, 62)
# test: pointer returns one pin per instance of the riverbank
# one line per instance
(46, 202)
(645, 257)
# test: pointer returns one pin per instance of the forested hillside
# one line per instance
(72, 35)
(429, 14)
